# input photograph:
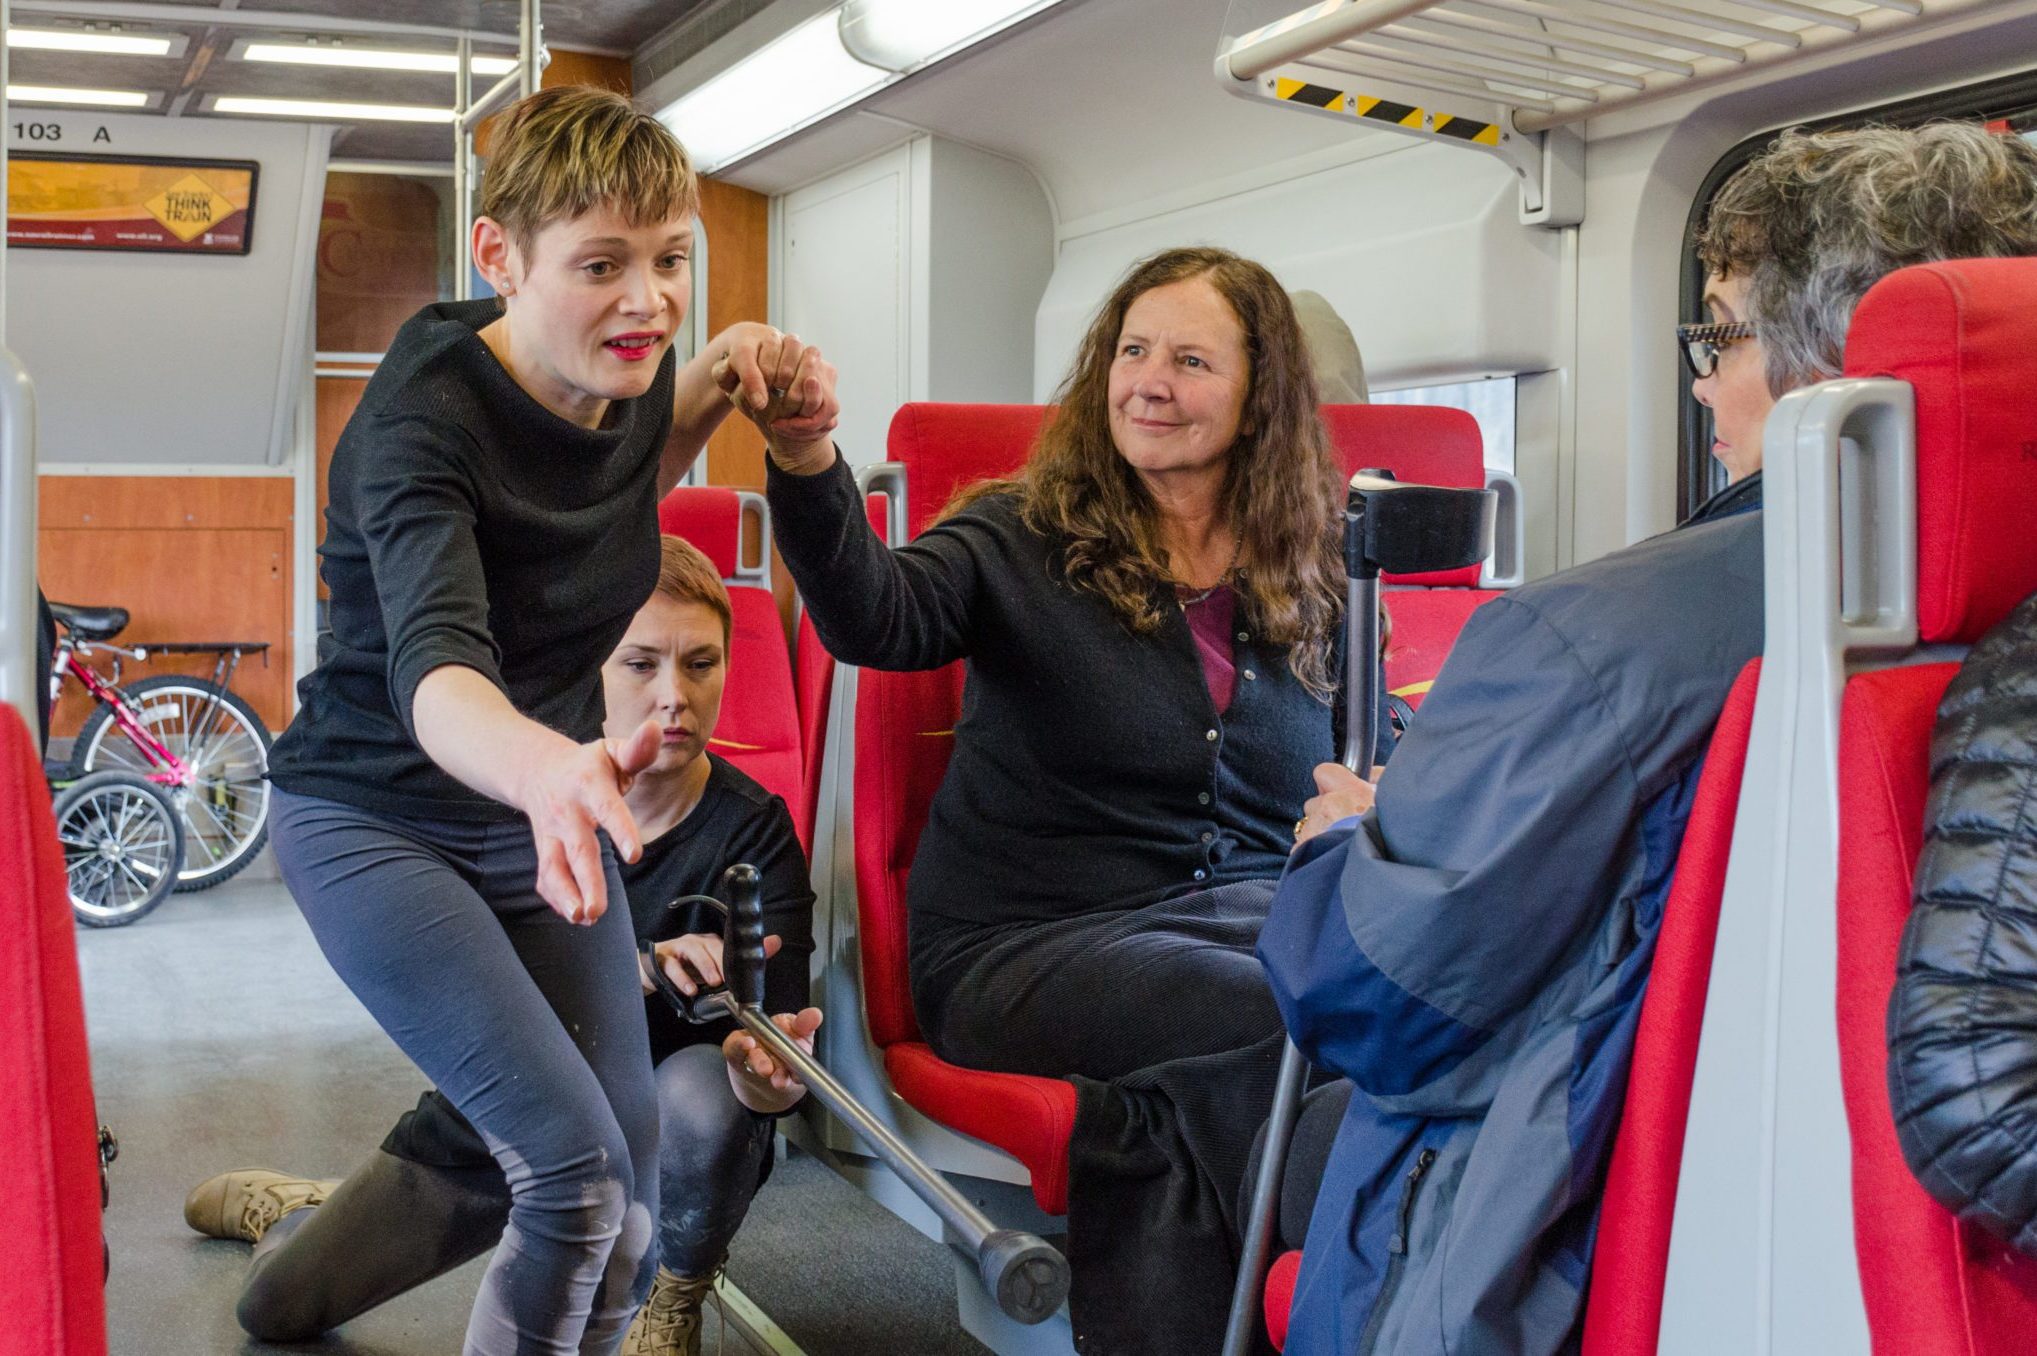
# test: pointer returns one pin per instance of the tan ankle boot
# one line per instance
(669, 1322)
(245, 1202)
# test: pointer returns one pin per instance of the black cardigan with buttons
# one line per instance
(1090, 768)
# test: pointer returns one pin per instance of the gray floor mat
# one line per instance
(221, 1039)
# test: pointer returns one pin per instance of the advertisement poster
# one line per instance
(86, 202)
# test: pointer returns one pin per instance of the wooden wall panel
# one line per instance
(337, 399)
(190, 558)
(738, 224)
(568, 68)
(379, 245)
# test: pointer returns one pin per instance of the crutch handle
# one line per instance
(743, 946)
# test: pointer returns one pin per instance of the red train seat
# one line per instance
(905, 726)
(51, 1269)
(1624, 1310)
(1961, 335)
(904, 729)
(1432, 446)
(759, 730)
(813, 679)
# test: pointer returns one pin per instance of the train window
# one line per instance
(1490, 402)
(2008, 105)
(385, 248)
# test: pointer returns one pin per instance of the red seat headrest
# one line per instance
(944, 447)
(711, 518)
(1964, 334)
(1425, 444)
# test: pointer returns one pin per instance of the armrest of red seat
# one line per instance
(1029, 1118)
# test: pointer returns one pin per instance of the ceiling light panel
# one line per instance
(773, 91)
(93, 98)
(326, 110)
(900, 35)
(372, 58)
(91, 40)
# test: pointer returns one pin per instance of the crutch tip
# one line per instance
(1028, 1276)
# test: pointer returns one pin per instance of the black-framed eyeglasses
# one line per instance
(1702, 344)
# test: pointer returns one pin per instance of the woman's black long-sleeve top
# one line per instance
(1962, 1021)
(1090, 768)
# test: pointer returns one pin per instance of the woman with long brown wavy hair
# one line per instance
(1150, 613)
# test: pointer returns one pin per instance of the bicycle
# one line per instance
(123, 846)
(194, 739)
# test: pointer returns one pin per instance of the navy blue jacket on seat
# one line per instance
(1472, 954)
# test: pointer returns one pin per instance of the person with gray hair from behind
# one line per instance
(1471, 954)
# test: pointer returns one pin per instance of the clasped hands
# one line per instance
(786, 389)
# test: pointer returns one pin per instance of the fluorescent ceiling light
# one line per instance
(330, 111)
(373, 58)
(98, 98)
(773, 91)
(900, 35)
(87, 40)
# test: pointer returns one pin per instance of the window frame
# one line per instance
(2011, 99)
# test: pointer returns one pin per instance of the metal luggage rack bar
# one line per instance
(1506, 75)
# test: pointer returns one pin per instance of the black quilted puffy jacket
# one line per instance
(1962, 1022)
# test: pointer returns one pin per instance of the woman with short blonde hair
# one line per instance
(492, 529)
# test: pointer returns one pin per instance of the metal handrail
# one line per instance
(1326, 35)
(18, 676)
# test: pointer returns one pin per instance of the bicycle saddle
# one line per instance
(90, 623)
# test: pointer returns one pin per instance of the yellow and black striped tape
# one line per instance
(1468, 129)
(1385, 110)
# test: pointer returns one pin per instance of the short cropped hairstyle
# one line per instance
(687, 576)
(571, 148)
(1820, 217)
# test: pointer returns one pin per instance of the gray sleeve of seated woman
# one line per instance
(1962, 1021)
(913, 608)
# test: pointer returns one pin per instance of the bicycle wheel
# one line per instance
(224, 745)
(123, 843)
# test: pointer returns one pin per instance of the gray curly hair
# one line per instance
(1820, 217)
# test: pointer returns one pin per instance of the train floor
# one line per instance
(221, 1039)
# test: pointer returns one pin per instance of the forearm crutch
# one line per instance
(1407, 529)
(1028, 1277)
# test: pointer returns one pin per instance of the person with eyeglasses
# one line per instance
(1471, 954)
(1729, 374)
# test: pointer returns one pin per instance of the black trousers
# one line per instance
(1162, 1018)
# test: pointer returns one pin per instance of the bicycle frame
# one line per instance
(166, 769)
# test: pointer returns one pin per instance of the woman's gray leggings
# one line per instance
(532, 1026)
(427, 1201)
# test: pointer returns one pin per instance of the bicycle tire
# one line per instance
(221, 835)
(123, 842)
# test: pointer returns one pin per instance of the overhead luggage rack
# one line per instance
(1507, 76)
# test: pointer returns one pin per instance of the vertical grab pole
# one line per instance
(1361, 743)
(463, 186)
(18, 677)
(530, 42)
